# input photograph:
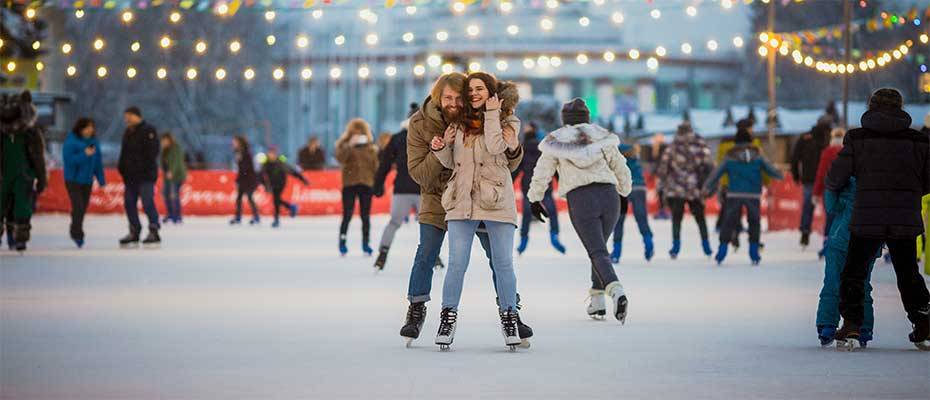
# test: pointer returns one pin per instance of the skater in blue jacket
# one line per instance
(840, 208)
(745, 167)
(637, 199)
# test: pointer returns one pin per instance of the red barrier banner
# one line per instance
(213, 192)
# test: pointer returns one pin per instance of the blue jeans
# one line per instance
(549, 204)
(828, 310)
(732, 215)
(461, 236)
(828, 223)
(172, 195)
(145, 190)
(421, 275)
(807, 210)
(637, 199)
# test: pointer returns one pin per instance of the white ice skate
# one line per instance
(509, 329)
(618, 295)
(597, 309)
(446, 334)
(850, 344)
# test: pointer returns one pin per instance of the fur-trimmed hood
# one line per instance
(581, 144)
(509, 95)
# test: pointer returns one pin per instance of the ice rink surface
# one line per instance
(244, 312)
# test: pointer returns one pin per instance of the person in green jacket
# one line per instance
(175, 173)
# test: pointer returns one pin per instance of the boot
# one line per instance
(648, 247)
(754, 253)
(676, 248)
(293, 210)
(255, 220)
(509, 328)
(130, 240)
(21, 235)
(276, 223)
(616, 253)
(236, 220)
(439, 264)
(597, 309)
(382, 258)
(805, 239)
(721, 253)
(554, 239)
(826, 334)
(416, 314)
(920, 335)
(367, 249)
(446, 333)
(525, 331)
(705, 244)
(343, 250)
(152, 239)
(618, 295)
(524, 241)
(847, 338)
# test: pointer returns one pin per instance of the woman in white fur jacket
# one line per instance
(592, 175)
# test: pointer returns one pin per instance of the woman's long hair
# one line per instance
(356, 125)
(490, 82)
(244, 146)
(82, 123)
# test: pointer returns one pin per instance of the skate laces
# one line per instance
(447, 320)
(509, 321)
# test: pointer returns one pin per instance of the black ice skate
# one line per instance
(920, 336)
(416, 314)
(446, 334)
(382, 258)
(509, 328)
(847, 338)
(130, 241)
(152, 241)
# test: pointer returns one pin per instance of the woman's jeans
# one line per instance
(461, 237)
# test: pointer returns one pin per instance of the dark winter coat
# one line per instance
(891, 163)
(531, 156)
(684, 167)
(274, 175)
(246, 179)
(311, 160)
(138, 156)
(395, 155)
(19, 121)
(632, 162)
(35, 153)
(79, 167)
(806, 154)
(745, 167)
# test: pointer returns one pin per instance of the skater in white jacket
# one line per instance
(592, 177)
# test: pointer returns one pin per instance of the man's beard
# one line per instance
(452, 116)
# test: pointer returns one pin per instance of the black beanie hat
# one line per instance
(886, 98)
(414, 107)
(575, 112)
(744, 124)
(134, 110)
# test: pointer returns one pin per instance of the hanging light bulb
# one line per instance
(371, 39)
(303, 41)
(98, 44)
(102, 71)
(390, 71)
(434, 60)
(161, 73)
(200, 47)
(270, 15)
(408, 37)
(472, 30)
(277, 74)
(131, 72)
(66, 48)
(249, 74)
(363, 72)
(135, 46)
(79, 13)
(474, 66)
(617, 17)
(235, 46)
(609, 56)
(419, 70)
(191, 73)
(317, 14)
(691, 11)
(634, 54)
(546, 24)
(686, 48)
(652, 63)
(442, 36)
(738, 42)
(271, 40)
(660, 51)
(501, 65)
(411, 10)
(584, 21)
(512, 30)
(165, 42)
(174, 17)
(528, 63)
(506, 7)
(582, 58)
(220, 74)
(71, 70)
(306, 73)
(127, 16)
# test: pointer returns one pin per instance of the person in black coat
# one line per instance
(891, 164)
(804, 161)
(531, 156)
(138, 165)
(312, 157)
(246, 179)
(406, 192)
(274, 176)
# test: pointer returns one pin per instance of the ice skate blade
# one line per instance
(513, 348)
(848, 345)
(445, 347)
(524, 344)
(408, 342)
(133, 245)
(151, 246)
(923, 346)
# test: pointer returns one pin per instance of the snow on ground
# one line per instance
(251, 312)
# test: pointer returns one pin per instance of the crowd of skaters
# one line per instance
(456, 159)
